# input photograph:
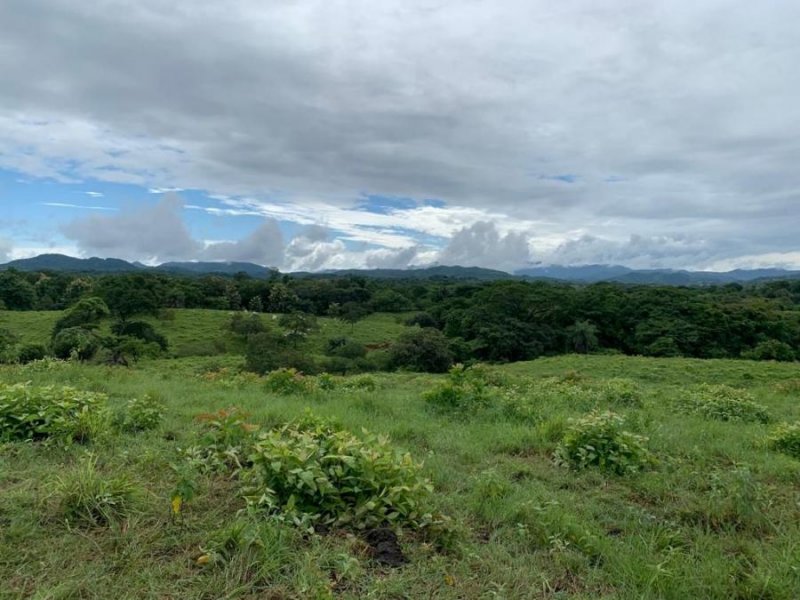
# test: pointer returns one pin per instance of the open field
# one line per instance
(713, 515)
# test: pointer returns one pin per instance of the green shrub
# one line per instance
(287, 382)
(771, 350)
(88, 498)
(598, 440)
(140, 330)
(465, 389)
(346, 348)
(31, 352)
(326, 381)
(75, 342)
(623, 392)
(143, 414)
(724, 403)
(269, 350)
(85, 313)
(364, 382)
(37, 413)
(246, 324)
(425, 350)
(313, 474)
(224, 444)
(785, 438)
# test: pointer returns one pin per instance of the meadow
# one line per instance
(696, 502)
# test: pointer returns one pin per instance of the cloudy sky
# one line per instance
(313, 134)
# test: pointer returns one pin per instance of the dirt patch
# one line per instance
(385, 547)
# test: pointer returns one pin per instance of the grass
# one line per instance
(714, 516)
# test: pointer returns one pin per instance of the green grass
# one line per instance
(716, 515)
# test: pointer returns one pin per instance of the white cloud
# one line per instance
(83, 206)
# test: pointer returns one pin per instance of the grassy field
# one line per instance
(714, 514)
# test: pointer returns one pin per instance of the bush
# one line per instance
(287, 382)
(31, 352)
(85, 313)
(345, 348)
(246, 324)
(771, 350)
(598, 440)
(422, 319)
(140, 330)
(38, 413)
(142, 414)
(268, 351)
(224, 444)
(623, 392)
(463, 390)
(424, 350)
(314, 475)
(75, 342)
(724, 403)
(785, 438)
(88, 498)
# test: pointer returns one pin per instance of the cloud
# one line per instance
(154, 233)
(392, 259)
(5, 250)
(264, 246)
(567, 119)
(94, 194)
(83, 206)
(481, 245)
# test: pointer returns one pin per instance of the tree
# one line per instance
(282, 299)
(16, 292)
(129, 295)
(349, 312)
(421, 350)
(86, 313)
(582, 337)
(255, 305)
(75, 342)
(298, 326)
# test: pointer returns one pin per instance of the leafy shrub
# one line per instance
(364, 382)
(785, 438)
(771, 350)
(421, 319)
(425, 350)
(37, 413)
(143, 414)
(346, 348)
(598, 440)
(268, 351)
(287, 382)
(31, 352)
(75, 342)
(464, 389)
(326, 381)
(624, 392)
(724, 403)
(140, 330)
(88, 498)
(246, 324)
(313, 474)
(224, 443)
(85, 313)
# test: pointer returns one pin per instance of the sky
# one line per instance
(323, 134)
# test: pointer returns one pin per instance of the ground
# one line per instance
(714, 515)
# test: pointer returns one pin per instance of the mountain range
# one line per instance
(582, 273)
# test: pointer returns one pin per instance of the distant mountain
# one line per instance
(578, 274)
(223, 268)
(60, 262)
(437, 272)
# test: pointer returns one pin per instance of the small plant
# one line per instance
(364, 382)
(622, 392)
(38, 413)
(30, 353)
(465, 389)
(785, 438)
(287, 382)
(598, 440)
(88, 498)
(724, 403)
(225, 443)
(143, 414)
(313, 474)
(326, 381)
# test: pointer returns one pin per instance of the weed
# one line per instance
(598, 440)
(142, 414)
(725, 403)
(785, 438)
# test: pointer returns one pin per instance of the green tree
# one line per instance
(425, 350)
(582, 337)
(86, 313)
(16, 292)
(298, 326)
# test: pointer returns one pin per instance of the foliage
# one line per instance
(224, 444)
(86, 313)
(785, 438)
(313, 474)
(143, 414)
(725, 403)
(268, 351)
(598, 440)
(246, 324)
(140, 330)
(287, 381)
(465, 389)
(771, 350)
(91, 499)
(622, 392)
(421, 319)
(421, 350)
(298, 326)
(582, 337)
(75, 342)
(31, 352)
(345, 348)
(30, 412)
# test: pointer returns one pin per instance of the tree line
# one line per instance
(491, 321)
